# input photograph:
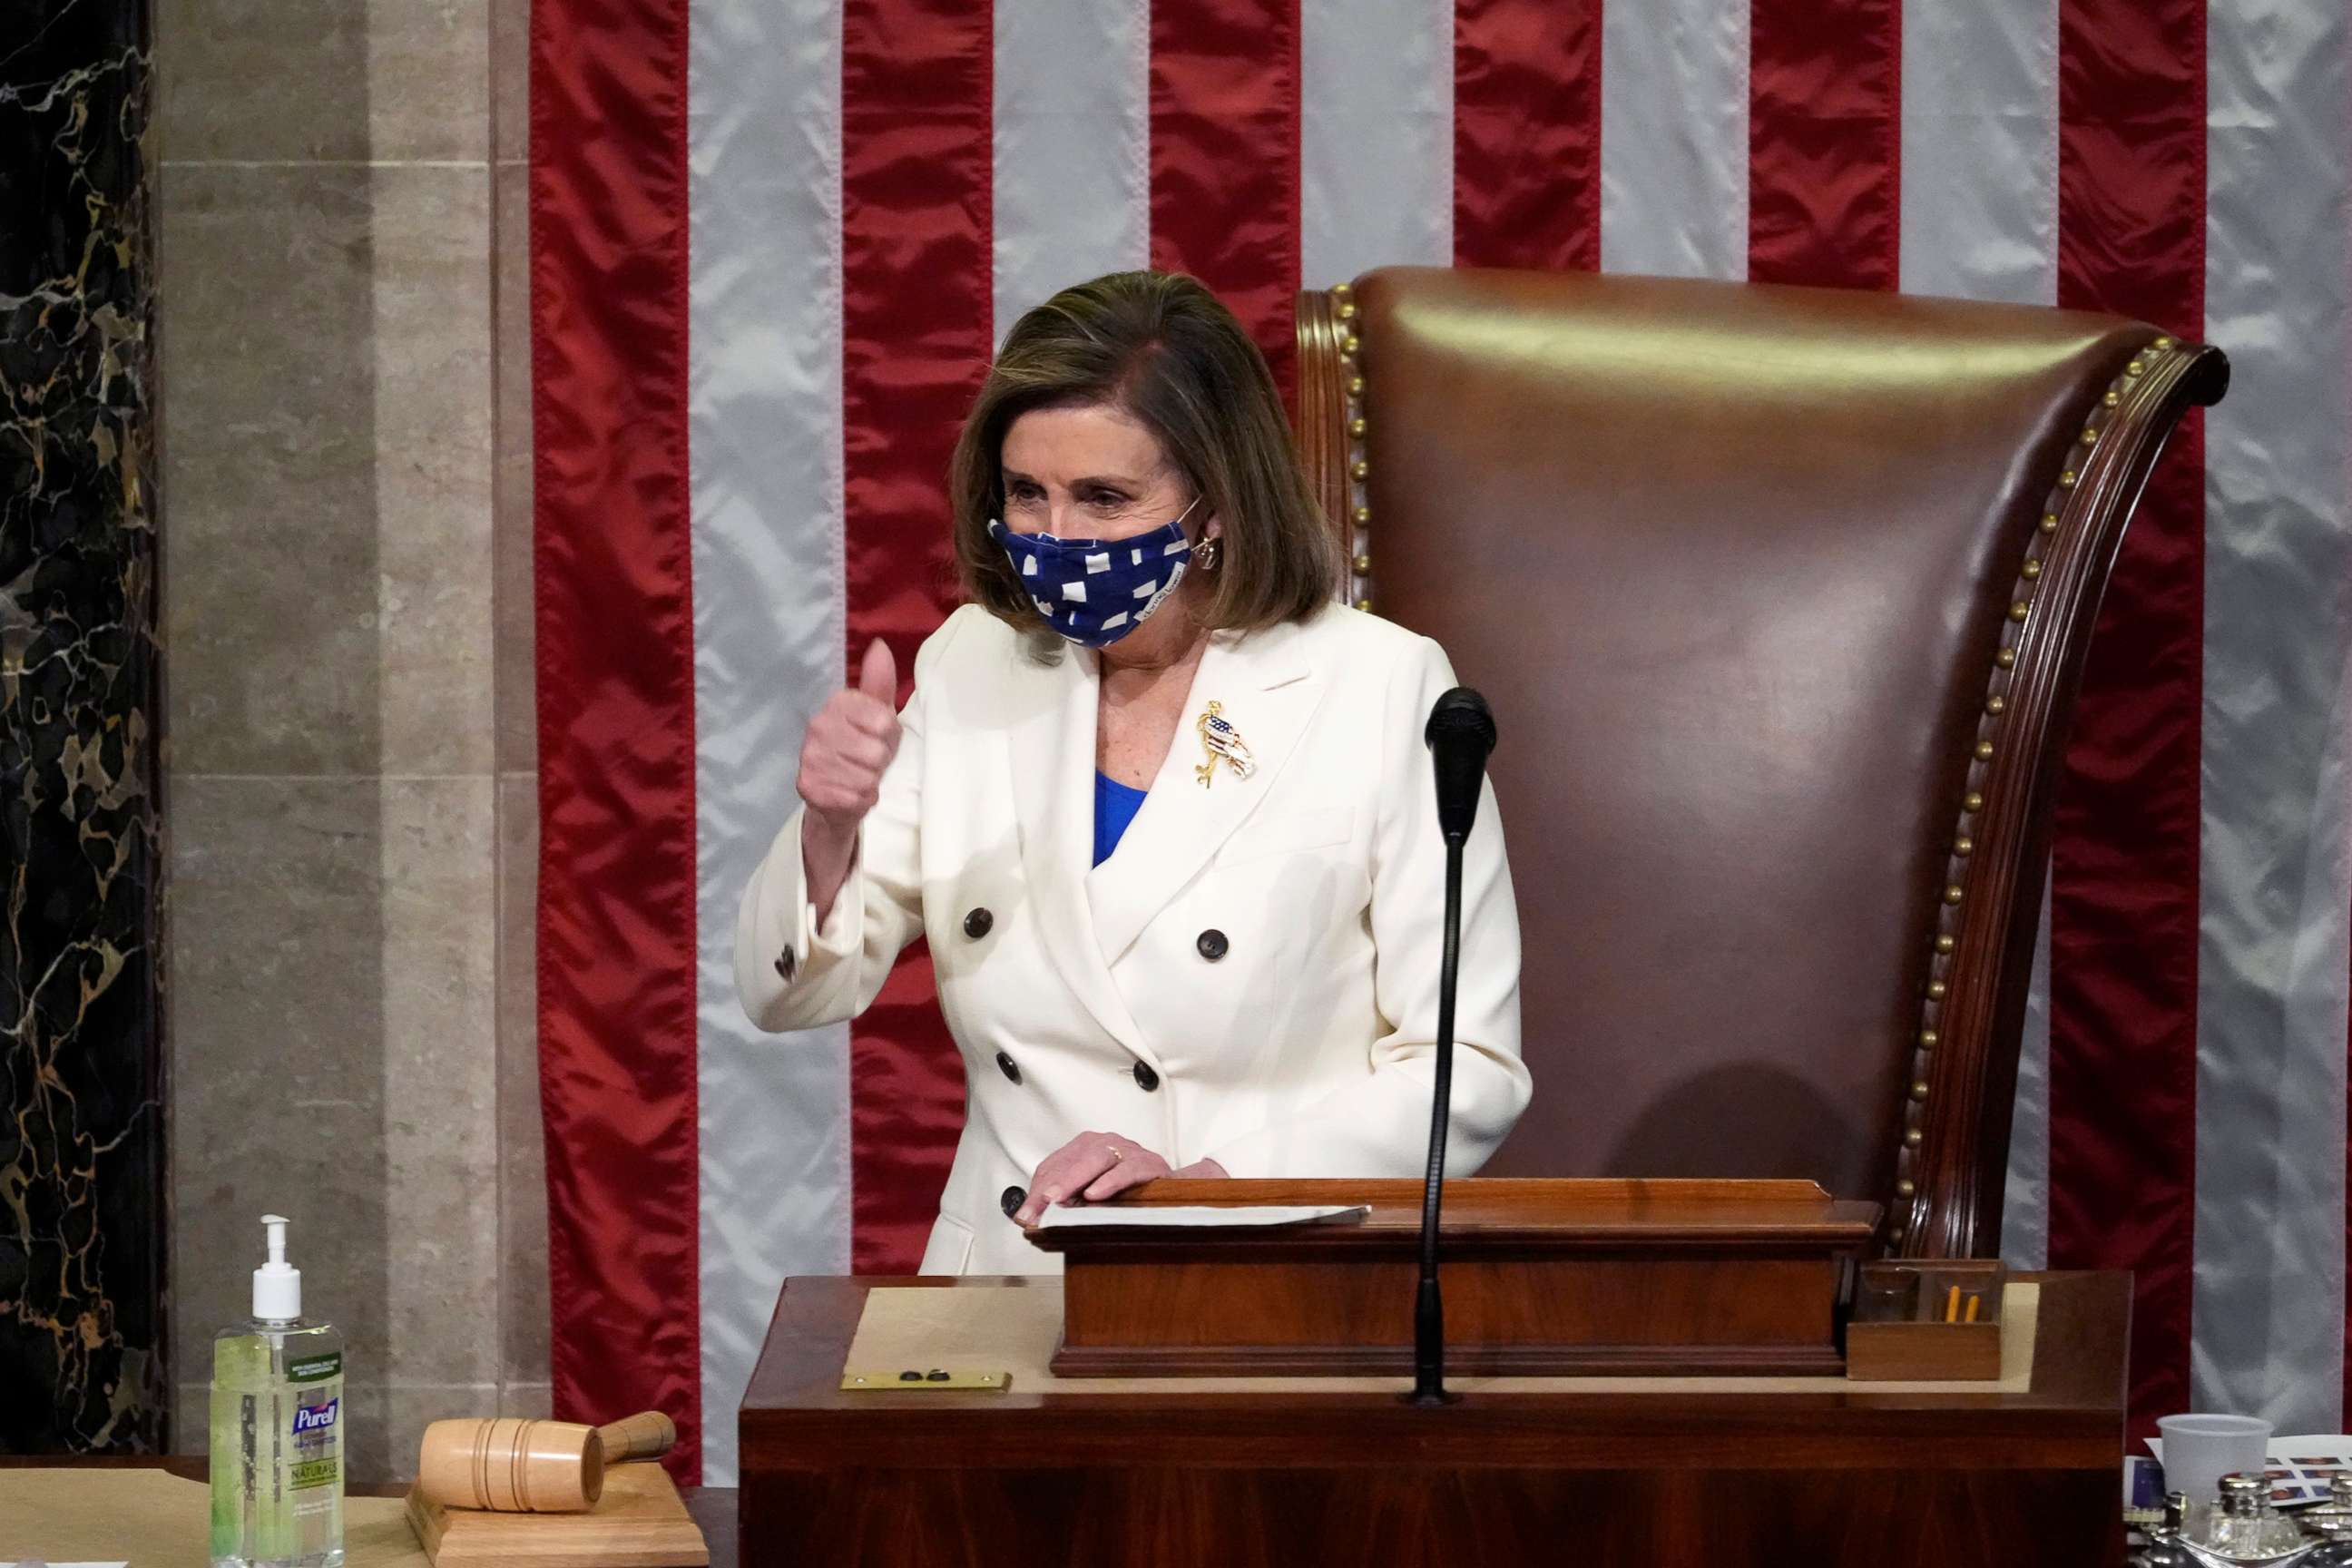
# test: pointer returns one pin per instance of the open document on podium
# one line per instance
(1229, 1216)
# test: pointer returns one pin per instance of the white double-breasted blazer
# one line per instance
(1251, 976)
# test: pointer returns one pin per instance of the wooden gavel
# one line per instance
(519, 1466)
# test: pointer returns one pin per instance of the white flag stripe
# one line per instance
(764, 429)
(1673, 138)
(2268, 1304)
(2025, 1198)
(1071, 147)
(1375, 136)
(1980, 149)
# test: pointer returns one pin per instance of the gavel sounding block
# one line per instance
(640, 1522)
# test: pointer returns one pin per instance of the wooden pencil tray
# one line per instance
(1911, 1321)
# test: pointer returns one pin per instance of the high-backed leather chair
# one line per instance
(1781, 597)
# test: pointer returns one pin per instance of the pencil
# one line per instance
(1952, 1305)
(1973, 1302)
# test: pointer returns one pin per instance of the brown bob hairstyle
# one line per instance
(1160, 349)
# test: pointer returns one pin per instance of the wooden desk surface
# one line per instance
(795, 1413)
(713, 1508)
(1160, 1475)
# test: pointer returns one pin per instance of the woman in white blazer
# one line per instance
(1161, 805)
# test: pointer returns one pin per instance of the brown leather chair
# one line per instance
(1781, 597)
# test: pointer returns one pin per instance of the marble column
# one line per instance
(81, 1139)
(342, 940)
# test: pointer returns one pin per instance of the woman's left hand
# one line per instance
(1094, 1165)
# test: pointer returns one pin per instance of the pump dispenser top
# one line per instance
(277, 1284)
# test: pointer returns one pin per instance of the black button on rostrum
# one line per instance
(1145, 1078)
(1012, 1069)
(1012, 1199)
(976, 923)
(1211, 944)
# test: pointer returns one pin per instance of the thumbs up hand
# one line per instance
(849, 743)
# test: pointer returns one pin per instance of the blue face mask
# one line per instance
(1096, 591)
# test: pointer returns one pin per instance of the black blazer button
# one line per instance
(1012, 1199)
(1012, 1069)
(976, 923)
(1145, 1078)
(1211, 944)
(784, 966)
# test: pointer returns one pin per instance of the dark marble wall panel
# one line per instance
(81, 1139)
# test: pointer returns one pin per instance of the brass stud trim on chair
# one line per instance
(1347, 311)
(1365, 605)
(1342, 289)
(1363, 565)
(1356, 428)
(1360, 470)
(1355, 386)
(1349, 344)
(1363, 515)
(1996, 704)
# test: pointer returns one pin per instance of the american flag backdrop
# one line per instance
(773, 242)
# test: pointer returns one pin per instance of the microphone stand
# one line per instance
(1428, 1309)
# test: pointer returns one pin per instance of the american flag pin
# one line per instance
(1219, 741)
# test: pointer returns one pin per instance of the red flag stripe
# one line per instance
(1824, 142)
(917, 86)
(1224, 158)
(2124, 871)
(615, 626)
(1527, 134)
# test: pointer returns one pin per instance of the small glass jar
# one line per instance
(2245, 1529)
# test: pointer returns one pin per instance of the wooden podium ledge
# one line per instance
(1595, 1276)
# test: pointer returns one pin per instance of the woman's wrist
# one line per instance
(827, 852)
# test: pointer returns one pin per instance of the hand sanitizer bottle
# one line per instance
(277, 1429)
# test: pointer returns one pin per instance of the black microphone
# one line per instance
(1460, 734)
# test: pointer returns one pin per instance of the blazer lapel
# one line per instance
(1053, 794)
(1265, 687)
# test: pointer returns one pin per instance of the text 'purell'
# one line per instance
(315, 1417)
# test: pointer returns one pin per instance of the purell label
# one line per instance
(317, 1460)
